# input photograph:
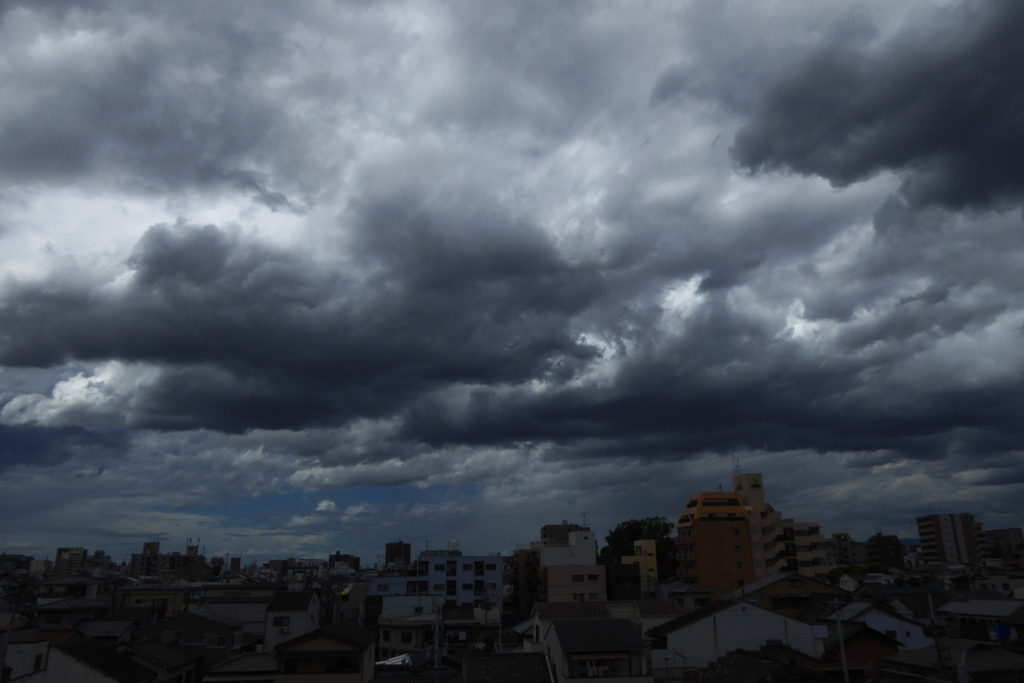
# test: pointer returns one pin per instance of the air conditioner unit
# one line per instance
(283, 629)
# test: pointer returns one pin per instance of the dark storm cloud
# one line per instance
(437, 302)
(41, 446)
(940, 104)
(150, 101)
(254, 336)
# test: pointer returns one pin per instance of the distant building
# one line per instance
(848, 552)
(550, 569)
(1008, 541)
(340, 558)
(397, 553)
(885, 551)
(645, 557)
(463, 580)
(713, 537)
(69, 560)
(779, 545)
(951, 539)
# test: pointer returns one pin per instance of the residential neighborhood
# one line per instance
(743, 594)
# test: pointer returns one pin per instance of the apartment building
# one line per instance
(779, 544)
(951, 539)
(463, 580)
(714, 542)
(69, 560)
(550, 569)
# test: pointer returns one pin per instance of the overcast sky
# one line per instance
(308, 276)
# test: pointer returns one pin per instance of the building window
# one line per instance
(439, 586)
(38, 663)
(739, 565)
(736, 548)
(735, 532)
(450, 587)
(452, 568)
(492, 567)
(579, 597)
(592, 577)
(385, 635)
(215, 641)
(438, 567)
(406, 636)
(281, 621)
(577, 578)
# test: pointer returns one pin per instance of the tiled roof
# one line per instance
(597, 636)
(344, 631)
(982, 608)
(549, 611)
(167, 656)
(290, 601)
(101, 628)
(691, 618)
(249, 662)
(111, 664)
(506, 668)
(659, 608)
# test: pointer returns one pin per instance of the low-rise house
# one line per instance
(983, 619)
(26, 655)
(290, 614)
(68, 611)
(507, 668)
(909, 632)
(110, 632)
(171, 663)
(982, 661)
(546, 613)
(87, 661)
(339, 653)
(698, 638)
(788, 593)
(250, 610)
(609, 648)
(212, 639)
(864, 648)
(853, 582)
(645, 614)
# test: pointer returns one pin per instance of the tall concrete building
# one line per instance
(951, 539)
(397, 553)
(69, 560)
(885, 551)
(1008, 541)
(848, 552)
(714, 542)
(778, 544)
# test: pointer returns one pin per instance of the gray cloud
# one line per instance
(390, 247)
(939, 103)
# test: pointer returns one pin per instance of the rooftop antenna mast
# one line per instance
(735, 466)
(584, 523)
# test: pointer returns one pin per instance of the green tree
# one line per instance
(619, 542)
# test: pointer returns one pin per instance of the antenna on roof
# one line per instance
(584, 522)
(735, 466)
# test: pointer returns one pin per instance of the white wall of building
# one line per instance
(740, 626)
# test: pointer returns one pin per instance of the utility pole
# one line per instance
(935, 637)
(842, 643)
